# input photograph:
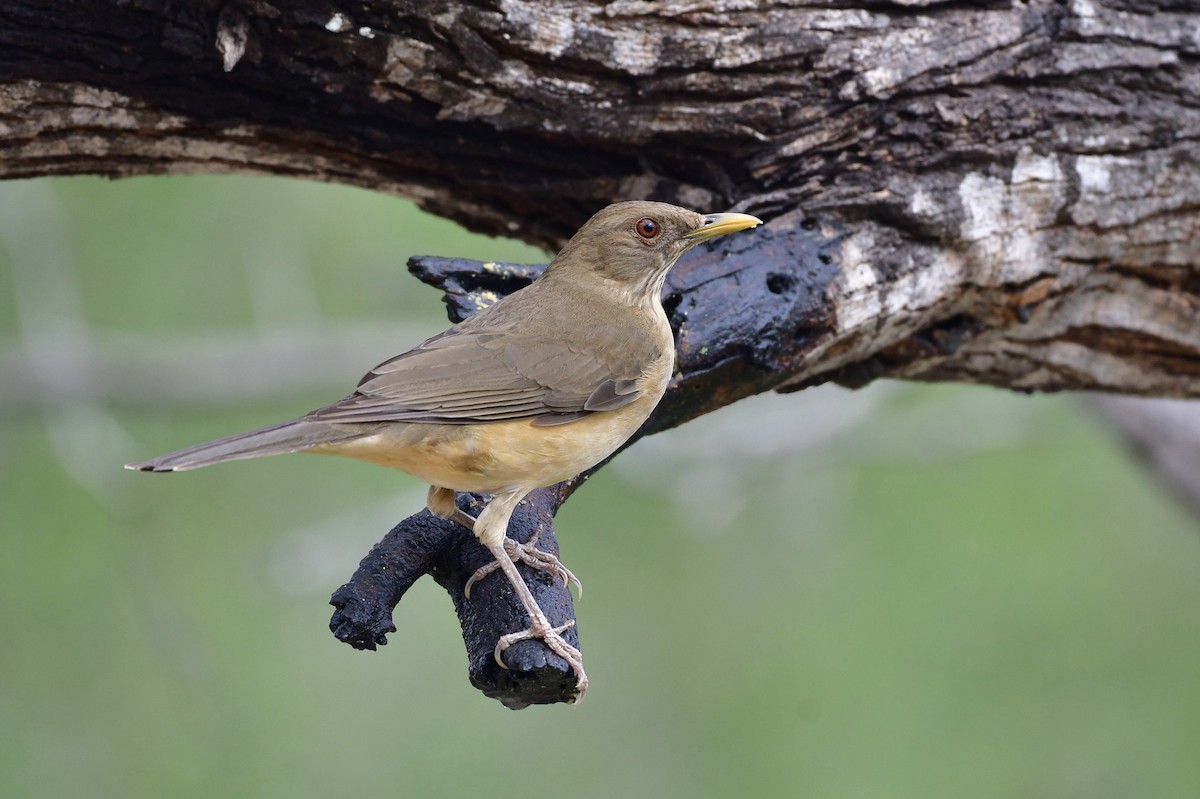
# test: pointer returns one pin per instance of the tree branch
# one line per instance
(995, 193)
(423, 544)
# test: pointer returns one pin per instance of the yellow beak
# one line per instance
(720, 224)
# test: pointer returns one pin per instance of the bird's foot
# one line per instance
(531, 556)
(540, 629)
(492, 520)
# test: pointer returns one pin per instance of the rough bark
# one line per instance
(1005, 193)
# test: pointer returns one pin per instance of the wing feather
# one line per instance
(464, 376)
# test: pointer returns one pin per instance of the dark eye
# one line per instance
(647, 228)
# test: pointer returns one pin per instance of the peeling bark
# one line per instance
(1002, 193)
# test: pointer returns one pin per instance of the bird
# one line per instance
(531, 390)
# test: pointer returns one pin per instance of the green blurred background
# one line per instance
(907, 591)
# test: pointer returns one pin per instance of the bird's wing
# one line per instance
(463, 377)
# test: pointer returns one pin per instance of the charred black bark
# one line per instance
(423, 544)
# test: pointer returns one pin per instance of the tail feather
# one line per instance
(293, 436)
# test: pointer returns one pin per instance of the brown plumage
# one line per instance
(532, 390)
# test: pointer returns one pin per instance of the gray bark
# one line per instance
(1026, 172)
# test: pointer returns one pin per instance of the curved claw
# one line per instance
(552, 637)
(527, 635)
(534, 558)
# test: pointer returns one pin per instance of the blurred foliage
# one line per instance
(965, 593)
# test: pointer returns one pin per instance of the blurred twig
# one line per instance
(1164, 433)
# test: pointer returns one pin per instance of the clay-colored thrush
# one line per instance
(531, 390)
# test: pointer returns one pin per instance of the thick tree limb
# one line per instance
(1001, 193)
(1047, 149)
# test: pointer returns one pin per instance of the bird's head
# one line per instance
(634, 244)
